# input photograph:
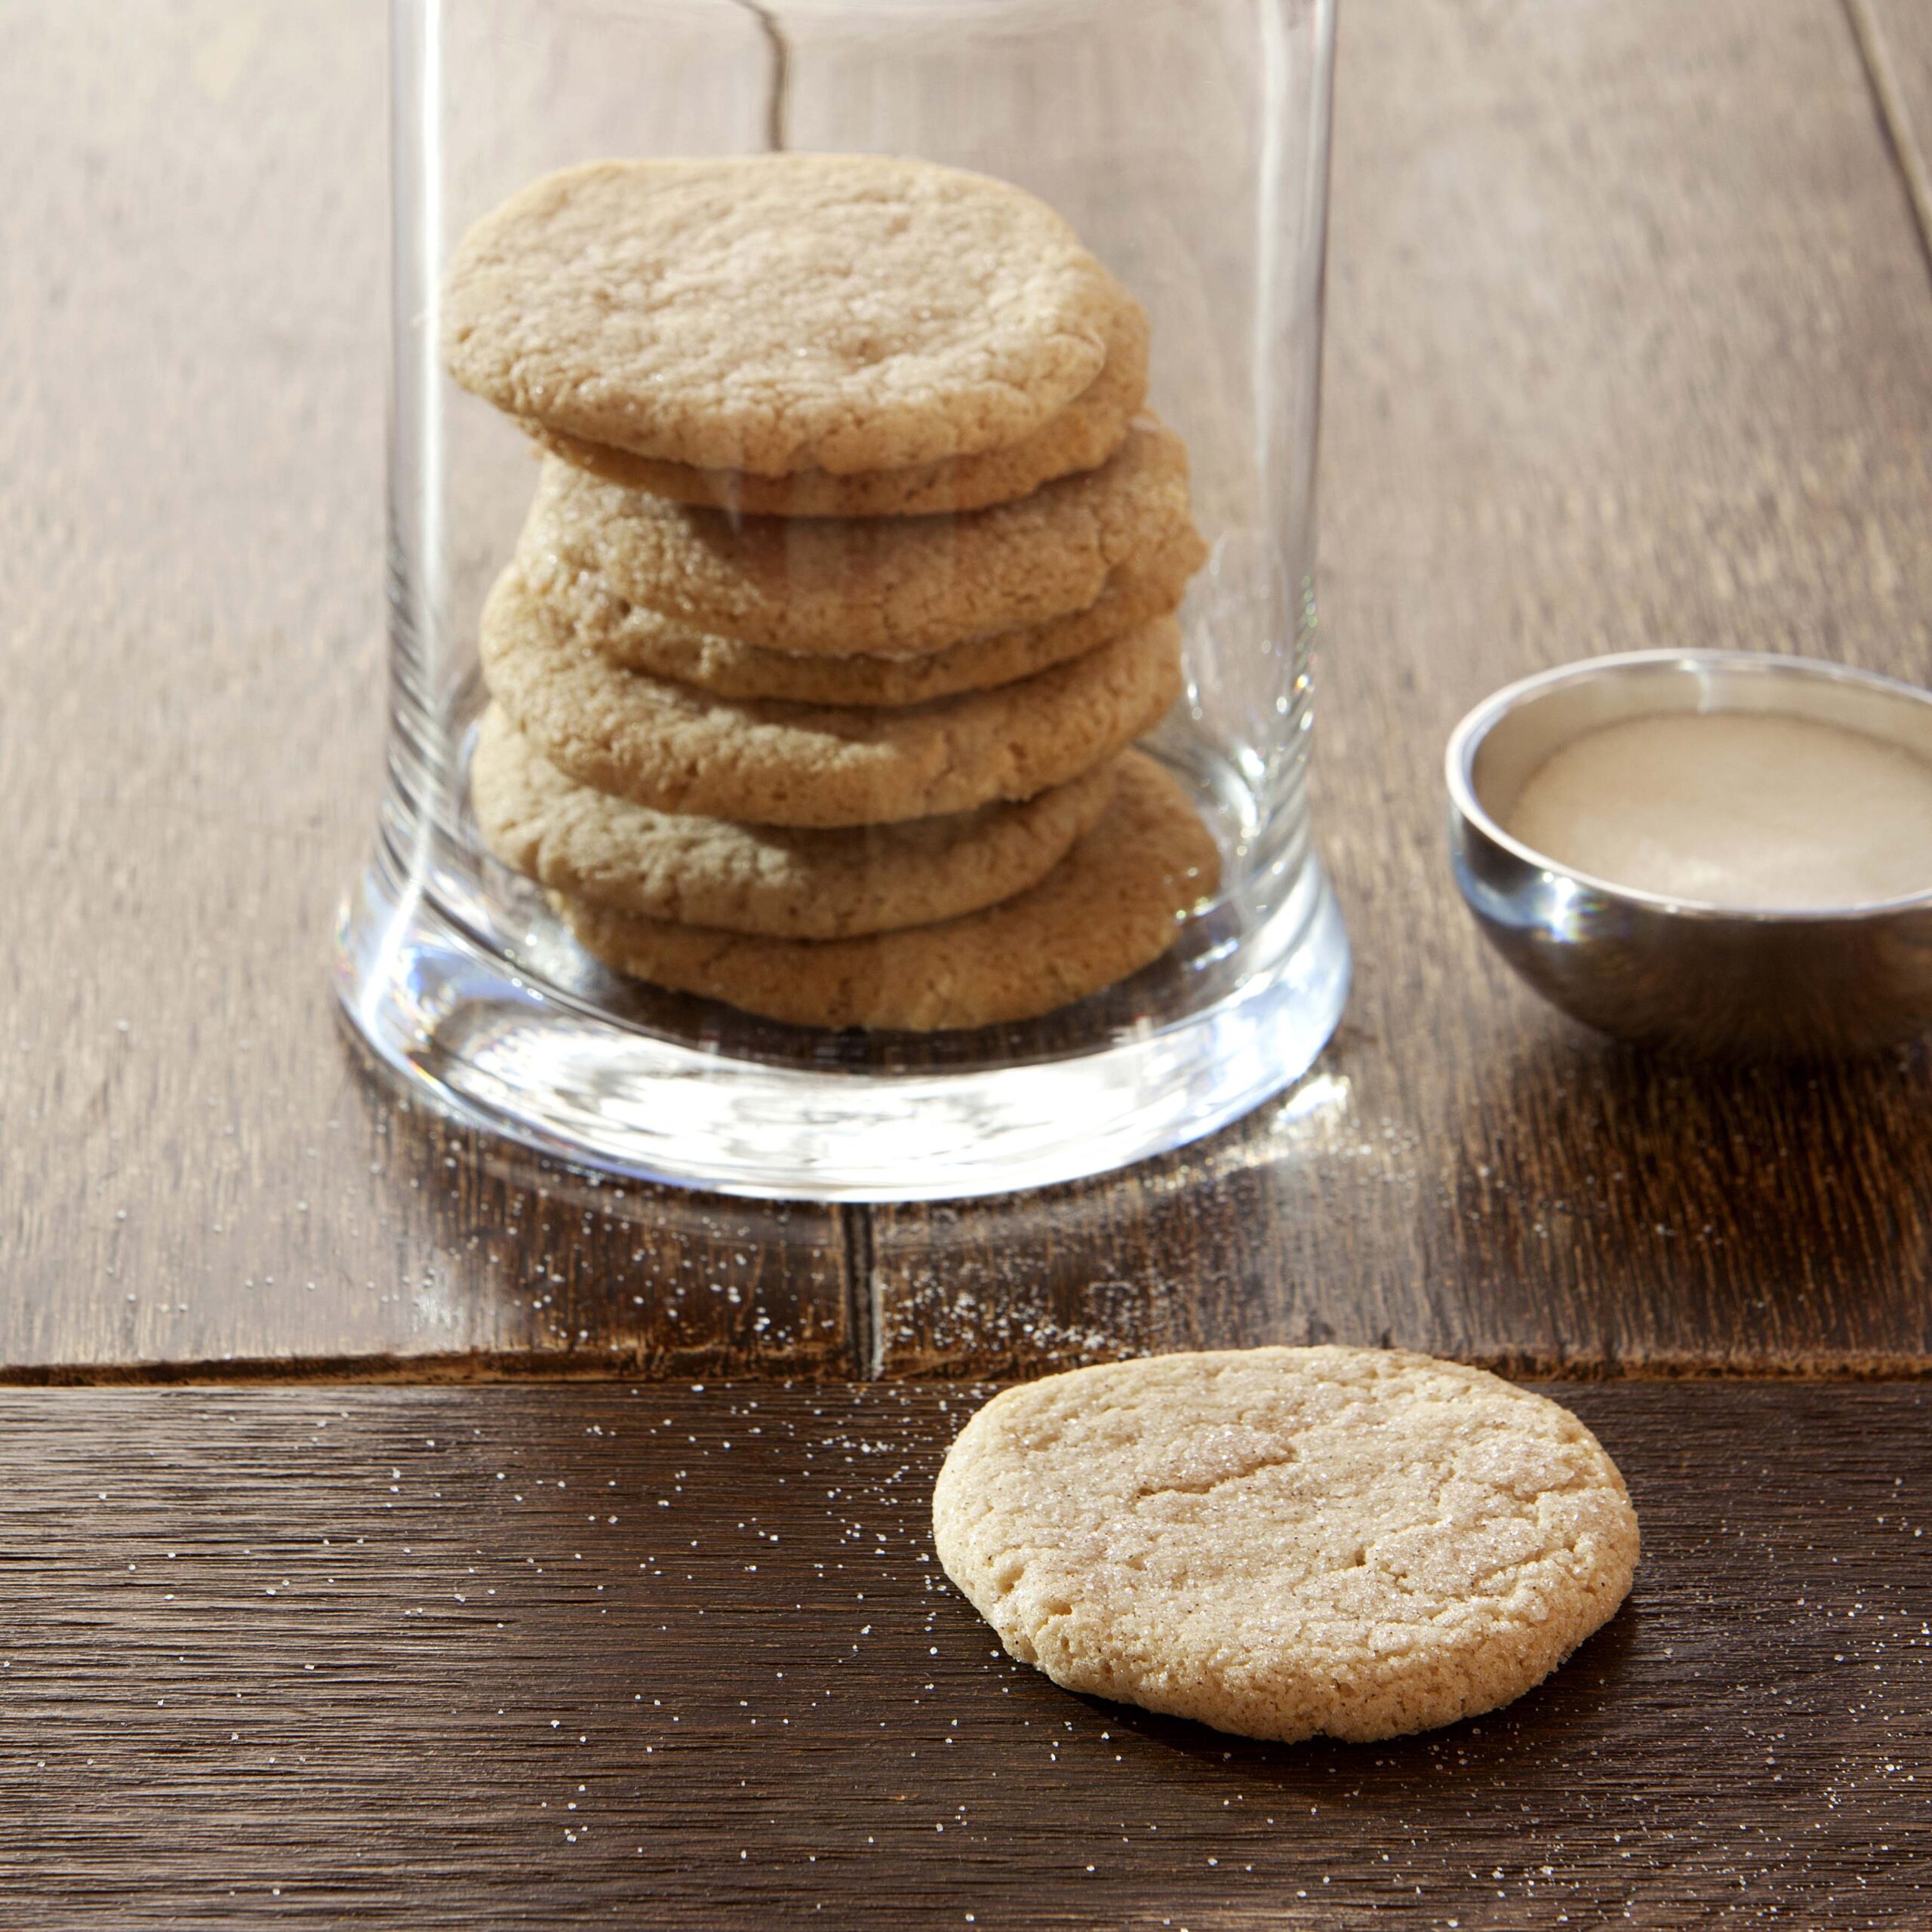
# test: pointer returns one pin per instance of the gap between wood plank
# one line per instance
(1894, 118)
(502, 1368)
(778, 98)
(864, 1325)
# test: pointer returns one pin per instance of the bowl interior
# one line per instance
(1506, 741)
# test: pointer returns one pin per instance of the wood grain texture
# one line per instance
(1630, 344)
(195, 1168)
(654, 1656)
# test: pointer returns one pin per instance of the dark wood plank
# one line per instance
(191, 574)
(1630, 344)
(657, 1656)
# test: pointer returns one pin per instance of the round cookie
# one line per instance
(777, 312)
(753, 879)
(1286, 1542)
(1109, 908)
(676, 750)
(1081, 436)
(888, 586)
(641, 639)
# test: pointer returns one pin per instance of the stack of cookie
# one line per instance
(848, 582)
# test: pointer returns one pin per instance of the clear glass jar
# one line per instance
(1186, 142)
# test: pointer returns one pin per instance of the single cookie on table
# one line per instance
(677, 749)
(1110, 907)
(883, 587)
(641, 639)
(1081, 436)
(784, 883)
(1286, 1542)
(771, 313)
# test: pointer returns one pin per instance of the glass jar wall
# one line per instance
(851, 608)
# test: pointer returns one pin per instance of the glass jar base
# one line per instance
(468, 1034)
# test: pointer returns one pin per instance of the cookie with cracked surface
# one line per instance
(1081, 436)
(1110, 907)
(883, 587)
(777, 312)
(641, 639)
(677, 749)
(1286, 1542)
(784, 883)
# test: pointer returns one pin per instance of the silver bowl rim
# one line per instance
(1467, 739)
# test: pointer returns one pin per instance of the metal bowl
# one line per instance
(1715, 979)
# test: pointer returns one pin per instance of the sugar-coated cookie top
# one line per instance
(777, 312)
(677, 749)
(1284, 1541)
(1111, 906)
(783, 883)
(1142, 588)
(895, 586)
(1081, 436)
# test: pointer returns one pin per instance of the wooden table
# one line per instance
(1630, 343)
